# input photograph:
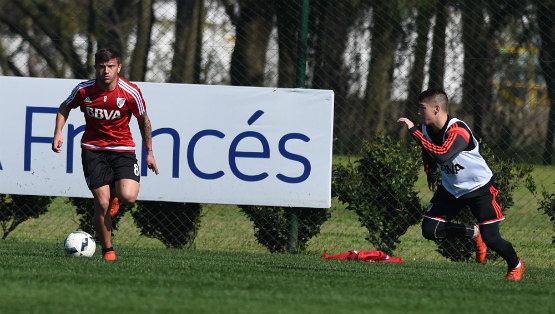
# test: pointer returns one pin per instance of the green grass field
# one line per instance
(38, 278)
(228, 272)
(225, 228)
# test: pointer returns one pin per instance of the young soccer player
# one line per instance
(108, 151)
(449, 146)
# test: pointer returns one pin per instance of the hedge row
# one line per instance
(378, 186)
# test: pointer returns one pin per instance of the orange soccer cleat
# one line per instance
(114, 207)
(516, 273)
(109, 256)
(481, 248)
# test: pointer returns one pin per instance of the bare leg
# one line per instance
(102, 218)
(127, 191)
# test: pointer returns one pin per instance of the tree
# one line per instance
(287, 16)
(116, 26)
(188, 42)
(482, 23)
(139, 58)
(91, 34)
(477, 76)
(437, 60)
(4, 59)
(329, 30)
(34, 20)
(50, 32)
(546, 25)
(416, 77)
(386, 29)
(252, 35)
(329, 34)
(331, 24)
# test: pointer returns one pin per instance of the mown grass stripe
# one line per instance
(38, 278)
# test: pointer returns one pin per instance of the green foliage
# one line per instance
(547, 205)
(508, 176)
(174, 224)
(379, 187)
(84, 207)
(271, 225)
(16, 209)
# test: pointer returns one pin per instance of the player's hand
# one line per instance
(151, 163)
(431, 185)
(407, 122)
(57, 143)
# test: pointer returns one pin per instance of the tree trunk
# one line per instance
(61, 37)
(437, 61)
(188, 42)
(287, 13)
(380, 75)
(479, 55)
(329, 33)
(4, 64)
(546, 24)
(32, 64)
(117, 26)
(252, 35)
(473, 37)
(91, 35)
(416, 77)
(139, 59)
(329, 67)
(199, 42)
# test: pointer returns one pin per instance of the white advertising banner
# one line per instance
(212, 144)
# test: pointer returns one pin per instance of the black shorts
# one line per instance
(483, 203)
(105, 167)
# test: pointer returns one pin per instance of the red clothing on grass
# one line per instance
(369, 256)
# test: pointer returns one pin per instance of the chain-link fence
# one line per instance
(495, 59)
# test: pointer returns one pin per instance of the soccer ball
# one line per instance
(79, 244)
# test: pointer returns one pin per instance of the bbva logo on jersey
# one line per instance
(98, 113)
(454, 169)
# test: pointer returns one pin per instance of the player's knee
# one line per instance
(128, 198)
(101, 206)
(128, 201)
(429, 228)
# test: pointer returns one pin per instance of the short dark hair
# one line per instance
(105, 55)
(434, 96)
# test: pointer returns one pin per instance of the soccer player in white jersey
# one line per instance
(108, 151)
(449, 146)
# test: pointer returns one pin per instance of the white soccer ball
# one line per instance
(79, 244)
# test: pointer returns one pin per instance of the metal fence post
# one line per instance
(301, 76)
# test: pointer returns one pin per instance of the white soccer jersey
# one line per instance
(466, 171)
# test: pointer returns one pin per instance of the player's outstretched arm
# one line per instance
(61, 118)
(407, 122)
(146, 133)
